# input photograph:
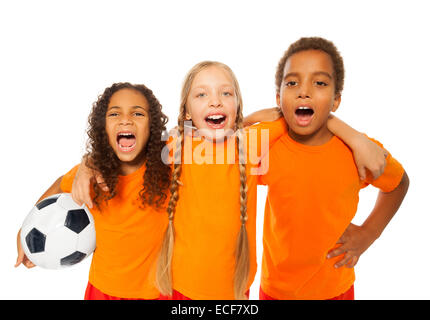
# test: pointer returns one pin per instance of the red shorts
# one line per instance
(179, 296)
(348, 295)
(92, 293)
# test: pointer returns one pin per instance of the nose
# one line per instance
(215, 101)
(125, 120)
(304, 91)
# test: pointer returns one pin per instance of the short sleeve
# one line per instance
(392, 175)
(67, 180)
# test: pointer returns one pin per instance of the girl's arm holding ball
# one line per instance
(22, 258)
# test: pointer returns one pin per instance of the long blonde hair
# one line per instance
(241, 274)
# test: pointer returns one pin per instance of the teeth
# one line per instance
(216, 117)
(304, 108)
(125, 134)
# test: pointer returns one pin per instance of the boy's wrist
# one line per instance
(372, 232)
(356, 140)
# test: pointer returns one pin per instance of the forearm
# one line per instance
(54, 189)
(269, 114)
(385, 208)
(343, 131)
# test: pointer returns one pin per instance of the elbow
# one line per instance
(404, 184)
(405, 181)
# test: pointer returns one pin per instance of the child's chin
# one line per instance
(215, 135)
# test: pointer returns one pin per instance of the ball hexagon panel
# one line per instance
(76, 220)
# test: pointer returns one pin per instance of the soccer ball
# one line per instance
(58, 233)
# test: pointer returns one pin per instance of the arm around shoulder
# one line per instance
(269, 114)
(367, 154)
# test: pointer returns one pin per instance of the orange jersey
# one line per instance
(128, 239)
(207, 218)
(312, 197)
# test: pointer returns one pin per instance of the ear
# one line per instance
(278, 99)
(187, 116)
(336, 102)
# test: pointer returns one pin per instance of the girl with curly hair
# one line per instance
(124, 146)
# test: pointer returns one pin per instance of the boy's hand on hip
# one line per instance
(355, 240)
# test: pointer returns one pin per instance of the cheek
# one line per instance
(231, 108)
(196, 110)
(287, 101)
(146, 131)
(111, 134)
(324, 97)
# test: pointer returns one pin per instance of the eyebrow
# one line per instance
(134, 107)
(295, 74)
(228, 85)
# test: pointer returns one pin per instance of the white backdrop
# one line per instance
(56, 57)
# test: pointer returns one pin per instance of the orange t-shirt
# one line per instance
(312, 198)
(207, 218)
(128, 239)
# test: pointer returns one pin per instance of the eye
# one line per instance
(112, 114)
(201, 95)
(291, 83)
(139, 114)
(227, 93)
(321, 83)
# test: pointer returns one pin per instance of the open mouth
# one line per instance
(126, 141)
(216, 121)
(304, 115)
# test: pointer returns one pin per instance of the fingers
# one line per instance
(352, 262)
(19, 250)
(349, 261)
(101, 183)
(85, 195)
(336, 252)
(376, 172)
(380, 167)
(22, 258)
(19, 259)
(28, 264)
(344, 261)
(362, 172)
(76, 193)
(81, 192)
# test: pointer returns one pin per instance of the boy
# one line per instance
(313, 185)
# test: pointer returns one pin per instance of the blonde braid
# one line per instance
(241, 274)
(164, 264)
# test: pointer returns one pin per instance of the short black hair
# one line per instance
(313, 43)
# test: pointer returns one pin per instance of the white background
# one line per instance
(56, 57)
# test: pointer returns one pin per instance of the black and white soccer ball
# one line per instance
(58, 233)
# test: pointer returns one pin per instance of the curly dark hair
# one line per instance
(101, 157)
(314, 43)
